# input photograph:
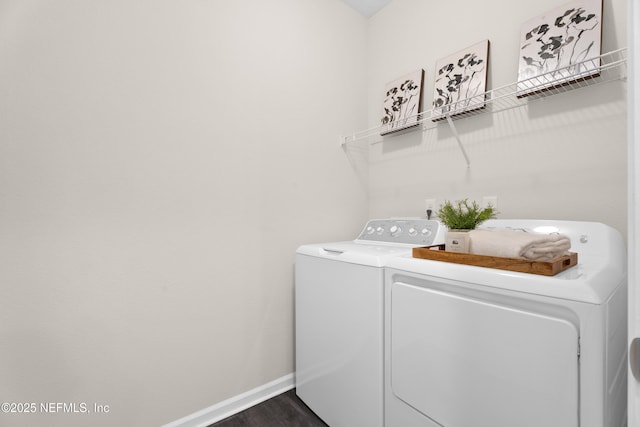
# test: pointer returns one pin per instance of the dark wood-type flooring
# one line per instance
(284, 410)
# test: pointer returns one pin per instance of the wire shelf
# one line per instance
(605, 68)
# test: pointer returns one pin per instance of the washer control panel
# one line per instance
(421, 232)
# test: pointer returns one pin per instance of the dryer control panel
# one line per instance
(419, 232)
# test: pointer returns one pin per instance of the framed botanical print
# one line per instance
(559, 47)
(402, 103)
(460, 81)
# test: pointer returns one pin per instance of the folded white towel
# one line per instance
(518, 244)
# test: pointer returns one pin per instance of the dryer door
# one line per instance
(466, 362)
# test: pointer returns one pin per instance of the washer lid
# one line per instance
(375, 255)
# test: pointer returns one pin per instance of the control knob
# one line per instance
(395, 230)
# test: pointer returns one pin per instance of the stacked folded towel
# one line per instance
(518, 244)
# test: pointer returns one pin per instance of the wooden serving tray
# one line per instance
(545, 268)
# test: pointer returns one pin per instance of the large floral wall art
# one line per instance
(561, 46)
(402, 103)
(460, 81)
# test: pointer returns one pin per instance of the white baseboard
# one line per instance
(226, 408)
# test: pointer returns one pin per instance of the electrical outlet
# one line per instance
(490, 200)
(430, 206)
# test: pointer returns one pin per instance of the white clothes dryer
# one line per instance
(469, 346)
(339, 319)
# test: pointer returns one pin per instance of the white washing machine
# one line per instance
(339, 290)
(477, 347)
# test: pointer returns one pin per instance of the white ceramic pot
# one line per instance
(457, 241)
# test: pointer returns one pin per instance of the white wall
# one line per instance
(561, 158)
(160, 161)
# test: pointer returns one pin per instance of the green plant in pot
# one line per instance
(461, 217)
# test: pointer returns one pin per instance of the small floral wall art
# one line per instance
(561, 46)
(460, 81)
(402, 103)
